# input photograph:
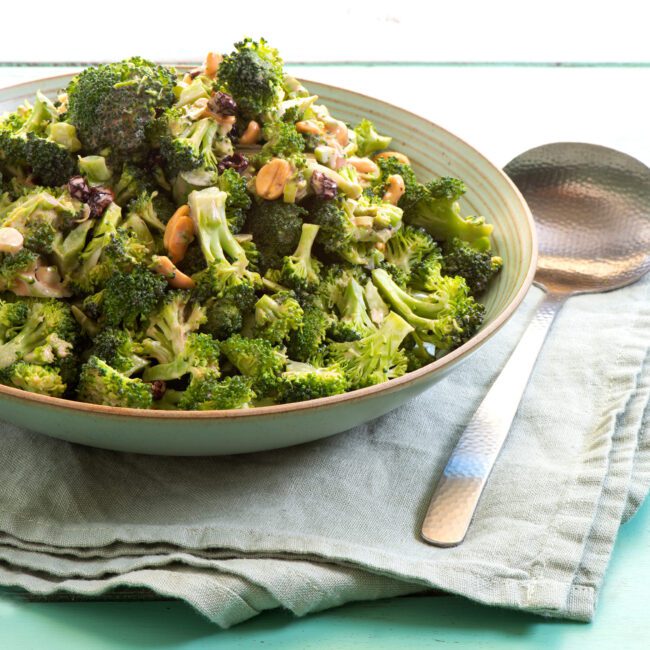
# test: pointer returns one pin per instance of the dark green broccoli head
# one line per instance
(477, 267)
(113, 105)
(253, 75)
(276, 228)
(224, 318)
(51, 163)
(129, 298)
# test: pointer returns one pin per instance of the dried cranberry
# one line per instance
(100, 199)
(237, 162)
(79, 188)
(222, 104)
(158, 388)
(323, 186)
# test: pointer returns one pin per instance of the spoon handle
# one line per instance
(465, 475)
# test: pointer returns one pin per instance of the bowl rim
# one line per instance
(277, 409)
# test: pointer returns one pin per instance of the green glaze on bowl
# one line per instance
(433, 151)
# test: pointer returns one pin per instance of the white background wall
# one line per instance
(329, 30)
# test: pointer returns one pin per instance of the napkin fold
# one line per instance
(319, 525)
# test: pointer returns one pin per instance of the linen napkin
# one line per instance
(338, 520)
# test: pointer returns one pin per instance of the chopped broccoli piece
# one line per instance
(447, 317)
(438, 212)
(303, 381)
(117, 348)
(277, 316)
(113, 106)
(305, 343)
(282, 141)
(257, 360)
(368, 140)
(476, 266)
(101, 384)
(34, 378)
(376, 357)
(354, 321)
(238, 201)
(253, 75)
(301, 270)
(207, 393)
(276, 228)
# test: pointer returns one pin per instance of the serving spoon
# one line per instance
(591, 206)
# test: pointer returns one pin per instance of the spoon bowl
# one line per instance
(591, 207)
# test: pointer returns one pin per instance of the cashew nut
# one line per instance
(363, 165)
(395, 189)
(271, 179)
(394, 154)
(211, 64)
(252, 133)
(308, 126)
(176, 279)
(179, 236)
(182, 211)
(11, 240)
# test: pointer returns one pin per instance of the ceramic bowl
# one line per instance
(433, 151)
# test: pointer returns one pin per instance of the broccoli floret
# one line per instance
(133, 182)
(253, 75)
(116, 347)
(227, 275)
(45, 336)
(199, 354)
(282, 141)
(354, 321)
(337, 234)
(276, 228)
(129, 297)
(446, 317)
(101, 384)
(277, 316)
(377, 357)
(153, 208)
(438, 212)
(303, 381)
(113, 105)
(301, 270)
(44, 380)
(12, 317)
(168, 330)
(257, 360)
(186, 145)
(368, 140)
(208, 393)
(477, 267)
(408, 247)
(26, 145)
(238, 201)
(306, 342)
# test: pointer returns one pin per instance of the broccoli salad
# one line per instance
(216, 239)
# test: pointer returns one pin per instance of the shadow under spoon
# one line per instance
(591, 207)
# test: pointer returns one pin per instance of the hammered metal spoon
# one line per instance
(592, 211)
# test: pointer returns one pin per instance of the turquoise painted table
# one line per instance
(569, 104)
